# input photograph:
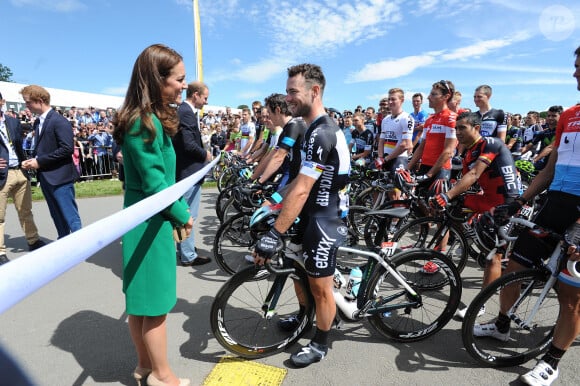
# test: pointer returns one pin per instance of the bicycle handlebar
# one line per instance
(514, 220)
(573, 266)
(277, 271)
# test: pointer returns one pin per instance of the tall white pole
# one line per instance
(197, 41)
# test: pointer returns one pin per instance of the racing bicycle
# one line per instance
(399, 299)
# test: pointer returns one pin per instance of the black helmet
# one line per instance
(486, 232)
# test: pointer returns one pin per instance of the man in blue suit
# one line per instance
(53, 160)
(14, 183)
(190, 157)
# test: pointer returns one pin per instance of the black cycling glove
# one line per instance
(270, 244)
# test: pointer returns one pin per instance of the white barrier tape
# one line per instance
(25, 275)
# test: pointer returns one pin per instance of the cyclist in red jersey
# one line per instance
(438, 140)
(487, 161)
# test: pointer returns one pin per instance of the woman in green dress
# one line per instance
(143, 128)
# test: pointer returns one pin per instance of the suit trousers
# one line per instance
(18, 188)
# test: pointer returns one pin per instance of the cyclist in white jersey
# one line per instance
(395, 141)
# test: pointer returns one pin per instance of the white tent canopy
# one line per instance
(67, 98)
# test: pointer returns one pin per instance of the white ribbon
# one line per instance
(23, 276)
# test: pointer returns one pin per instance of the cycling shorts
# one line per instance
(322, 237)
(397, 163)
(481, 203)
(559, 212)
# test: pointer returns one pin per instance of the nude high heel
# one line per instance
(139, 374)
(152, 381)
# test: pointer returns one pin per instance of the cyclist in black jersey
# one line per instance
(541, 145)
(514, 135)
(493, 121)
(318, 196)
(488, 162)
(361, 145)
(285, 158)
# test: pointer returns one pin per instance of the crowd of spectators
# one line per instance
(220, 130)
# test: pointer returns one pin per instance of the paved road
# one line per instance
(73, 331)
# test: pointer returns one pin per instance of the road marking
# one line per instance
(237, 371)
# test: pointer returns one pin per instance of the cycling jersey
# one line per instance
(272, 138)
(567, 172)
(498, 181)
(493, 122)
(247, 130)
(326, 159)
(371, 125)
(419, 118)
(545, 138)
(362, 141)
(291, 140)
(514, 132)
(394, 129)
(438, 128)
(530, 132)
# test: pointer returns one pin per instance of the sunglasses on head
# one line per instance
(446, 85)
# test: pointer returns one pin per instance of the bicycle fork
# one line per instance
(271, 300)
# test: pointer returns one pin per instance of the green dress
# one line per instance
(149, 265)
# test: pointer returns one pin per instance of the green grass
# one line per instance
(96, 188)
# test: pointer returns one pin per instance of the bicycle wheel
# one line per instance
(231, 208)
(426, 233)
(356, 219)
(241, 319)
(439, 294)
(523, 343)
(221, 201)
(384, 224)
(232, 242)
(372, 197)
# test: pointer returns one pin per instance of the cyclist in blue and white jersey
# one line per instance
(561, 211)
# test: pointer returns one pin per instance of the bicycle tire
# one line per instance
(440, 295)
(232, 242)
(367, 197)
(237, 315)
(384, 224)
(356, 219)
(221, 200)
(522, 345)
(420, 233)
(231, 208)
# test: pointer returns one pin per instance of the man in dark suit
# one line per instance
(190, 157)
(14, 183)
(53, 160)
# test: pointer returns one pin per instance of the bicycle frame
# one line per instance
(352, 310)
(553, 266)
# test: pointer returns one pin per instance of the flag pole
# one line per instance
(197, 41)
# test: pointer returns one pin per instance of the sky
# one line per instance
(523, 49)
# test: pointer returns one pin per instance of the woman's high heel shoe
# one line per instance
(152, 381)
(139, 374)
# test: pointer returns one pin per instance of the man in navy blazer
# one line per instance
(53, 160)
(14, 183)
(190, 157)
